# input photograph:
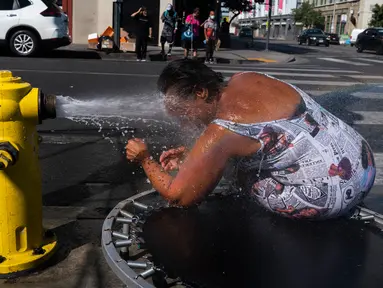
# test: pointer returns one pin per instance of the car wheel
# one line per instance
(23, 43)
(359, 49)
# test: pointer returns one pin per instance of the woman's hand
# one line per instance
(171, 159)
(136, 150)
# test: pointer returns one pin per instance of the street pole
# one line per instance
(117, 8)
(269, 24)
(218, 15)
(333, 19)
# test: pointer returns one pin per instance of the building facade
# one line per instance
(342, 16)
(282, 24)
(365, 12)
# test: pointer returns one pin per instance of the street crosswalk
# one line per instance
(361, 108)
(314, 80)
(357, 61)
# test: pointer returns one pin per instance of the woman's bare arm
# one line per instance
(202, 169)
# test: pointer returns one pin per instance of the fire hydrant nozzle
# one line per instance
(21, 231)
(8, 155)
(47, 106)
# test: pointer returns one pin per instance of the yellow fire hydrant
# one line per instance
(23, 242)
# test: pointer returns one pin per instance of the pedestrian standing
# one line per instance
(210, 31)
(143, 32)
(190, 36)
(169, 18)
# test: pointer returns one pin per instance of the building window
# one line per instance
(328, 23)
(337, 30)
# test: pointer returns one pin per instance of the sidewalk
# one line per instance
(223, 56)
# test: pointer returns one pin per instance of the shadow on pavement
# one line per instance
(260, 45)
(61, 54)
(232, 242)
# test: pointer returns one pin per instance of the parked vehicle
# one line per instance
(29, 27)
(333, 38)
(246, 32)
(354, 35)
(313, 37)
(370, 39)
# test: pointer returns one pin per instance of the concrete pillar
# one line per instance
(90, 16)
(163, 4)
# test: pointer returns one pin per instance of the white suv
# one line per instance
(27, 27)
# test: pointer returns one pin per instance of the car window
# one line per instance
(380, 32)
(7, 5)
(50, 3)
(24, 3)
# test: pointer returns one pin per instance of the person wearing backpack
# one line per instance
(191, 33)
(210, 31)
(169, 18)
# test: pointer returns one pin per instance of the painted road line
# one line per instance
(344, 61)
(317, 92)
(262, 60)
(280, 73)
(368, 95)
(83, 73)
(362, 95)
(378, 160)
(370, 60)
(240, 69)
(313, 82)
(366, 77)
(369, 118)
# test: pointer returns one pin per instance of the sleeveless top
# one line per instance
(314, 150)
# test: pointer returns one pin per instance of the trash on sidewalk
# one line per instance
(105, 41)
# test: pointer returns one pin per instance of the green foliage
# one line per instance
(377, 16)
(238, 6)
(308, 16)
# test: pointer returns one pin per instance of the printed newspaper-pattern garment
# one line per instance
(312, 165)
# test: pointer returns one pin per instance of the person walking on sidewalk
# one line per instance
(169, 18)
(143, 32)
(191, 33)
(210, 31)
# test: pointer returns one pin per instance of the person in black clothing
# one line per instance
(143, 32)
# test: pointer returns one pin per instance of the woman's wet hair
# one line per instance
(184, 77)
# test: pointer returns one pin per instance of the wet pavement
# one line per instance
(84, 175)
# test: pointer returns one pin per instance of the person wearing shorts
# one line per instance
(192, 43)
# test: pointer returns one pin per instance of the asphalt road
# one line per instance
(75, 157)
(85, 167)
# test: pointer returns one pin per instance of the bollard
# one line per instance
(24, 244)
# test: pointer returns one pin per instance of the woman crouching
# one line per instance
(293, 156)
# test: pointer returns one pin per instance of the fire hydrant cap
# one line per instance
(7, 76)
